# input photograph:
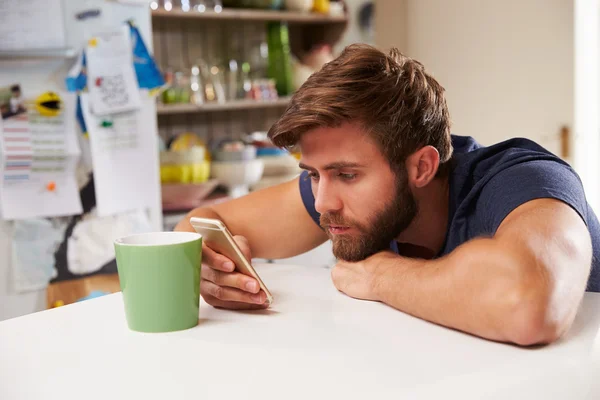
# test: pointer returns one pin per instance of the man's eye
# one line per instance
(347, 177)
(314, 176)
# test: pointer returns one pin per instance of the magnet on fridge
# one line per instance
(106, 123)
(91, 13)
(49, 104)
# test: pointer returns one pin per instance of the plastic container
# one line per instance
(185, 173)
(184, 166)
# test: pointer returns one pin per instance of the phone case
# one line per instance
(216, 236)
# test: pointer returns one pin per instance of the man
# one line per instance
(498, 241)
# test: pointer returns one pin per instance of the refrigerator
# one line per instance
(46, 69)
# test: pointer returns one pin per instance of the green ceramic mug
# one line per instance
(159, 274)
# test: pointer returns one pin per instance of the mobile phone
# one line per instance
(216, 236)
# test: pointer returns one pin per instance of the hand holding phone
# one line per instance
(228, 278)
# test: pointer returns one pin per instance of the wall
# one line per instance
(507, 65)
(390, 24)
(587, 97)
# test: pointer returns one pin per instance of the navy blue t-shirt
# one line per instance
(487, 183)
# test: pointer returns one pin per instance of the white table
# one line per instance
(314, 343)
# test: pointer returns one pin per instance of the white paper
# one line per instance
(112, 82)
(34, 243)
(17, 151)
(39, 153)
(125, 157)
(31, 25)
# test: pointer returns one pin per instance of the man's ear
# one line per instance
(422, 166)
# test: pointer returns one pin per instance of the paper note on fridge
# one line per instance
(31, 25)
(38, 161)
(124, 157)
(112, 82)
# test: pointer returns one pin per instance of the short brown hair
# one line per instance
(390, 95)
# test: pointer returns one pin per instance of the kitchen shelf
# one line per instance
(253, 15)
(167, 109)
(181, 39)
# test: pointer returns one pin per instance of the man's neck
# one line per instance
(426, 235)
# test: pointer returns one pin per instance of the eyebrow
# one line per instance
(334, 165)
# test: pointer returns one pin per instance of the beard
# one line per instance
(379, 231)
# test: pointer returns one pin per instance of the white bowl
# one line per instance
(237, 176)
(299, 5)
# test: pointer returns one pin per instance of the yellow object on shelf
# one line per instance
(186, 161)
(185, 173)
(186, 141)
(200, 172)
(321, 6)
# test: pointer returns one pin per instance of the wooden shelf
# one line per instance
(252, 15)
(167, 109)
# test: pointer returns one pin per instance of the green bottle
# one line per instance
(280, 68)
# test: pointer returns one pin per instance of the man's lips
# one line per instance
(338, 229)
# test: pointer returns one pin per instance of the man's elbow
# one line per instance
(548, 297)
(533, 328)
(538, 320)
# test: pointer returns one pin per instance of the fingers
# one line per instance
(228, 294)
(230, 279)
(215, 260)
(232, 305)
(244, 246)
(221, 287)
(219, 261)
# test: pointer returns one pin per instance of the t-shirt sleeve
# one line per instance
(528, 181)
(308, 198)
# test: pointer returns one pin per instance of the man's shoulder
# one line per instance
(510, 173)
(477, 161)
(468, 144)
(464, 144)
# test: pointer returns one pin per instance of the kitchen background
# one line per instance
(510, 68)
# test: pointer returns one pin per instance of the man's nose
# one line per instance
(327, 198)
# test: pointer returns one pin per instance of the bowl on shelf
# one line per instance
(243, 154)
(186, 196)
(299, 5)
(270, 151)
(237, 176)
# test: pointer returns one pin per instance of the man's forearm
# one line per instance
(479, 288)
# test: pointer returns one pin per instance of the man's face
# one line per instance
(363, 204)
